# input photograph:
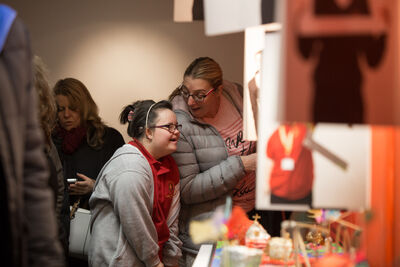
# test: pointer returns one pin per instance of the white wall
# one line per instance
(123, 50)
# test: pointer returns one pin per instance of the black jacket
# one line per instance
(87, 160)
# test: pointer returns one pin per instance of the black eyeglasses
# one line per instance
(169, 127)
(198, 97)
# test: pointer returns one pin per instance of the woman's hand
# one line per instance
(82, 187)
(159, 265)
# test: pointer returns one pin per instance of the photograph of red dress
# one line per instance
(292, 174)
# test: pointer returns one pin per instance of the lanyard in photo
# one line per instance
(287, 140)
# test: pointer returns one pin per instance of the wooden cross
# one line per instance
(256, 217)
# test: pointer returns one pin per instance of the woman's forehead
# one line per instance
(165, 115)
(62, 100)
(196, 84)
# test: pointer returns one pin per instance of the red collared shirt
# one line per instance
(166, 177)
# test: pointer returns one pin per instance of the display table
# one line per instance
(204, 256)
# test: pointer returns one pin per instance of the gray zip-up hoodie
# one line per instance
(123, 233)
(208, 174)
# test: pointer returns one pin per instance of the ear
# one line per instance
(219, 89)
(149, 134)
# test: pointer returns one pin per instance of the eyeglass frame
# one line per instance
(193, 96)
(165, 126)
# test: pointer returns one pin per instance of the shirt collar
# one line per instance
(159, 165)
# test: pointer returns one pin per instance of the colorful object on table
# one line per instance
(315, 251)
(210, 230)
(256, 235)
(241, 256)
(320, 251)
(346, 232)
(203, 231)
(322, 215)
(266, 260)
(217, 257)
(237, 225)
(315, 237)
(280, 248)
(361, 259)
(334, 260)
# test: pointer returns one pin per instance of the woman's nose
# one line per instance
(191, 101)
(66, 112)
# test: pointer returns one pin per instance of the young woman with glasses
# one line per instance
(213, 158)
(136, 199)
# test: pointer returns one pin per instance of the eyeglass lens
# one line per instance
(173, 127)
(196, 97)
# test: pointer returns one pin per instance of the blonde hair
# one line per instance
(80, 99)
(46, 102)
(205, 68)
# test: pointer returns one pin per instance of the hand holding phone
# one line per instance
(72, 180)
(81, 186)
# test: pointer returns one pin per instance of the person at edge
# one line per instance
(57, 182)
(28, 223)
(136, 199)
(213, 158)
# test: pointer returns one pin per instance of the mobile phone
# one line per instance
(72, 180)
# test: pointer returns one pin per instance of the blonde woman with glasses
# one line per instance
(213, 158)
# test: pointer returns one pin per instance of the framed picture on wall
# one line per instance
(302, 165)
(341, 62)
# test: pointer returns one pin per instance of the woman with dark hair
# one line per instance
(135, 202)
(83, 141)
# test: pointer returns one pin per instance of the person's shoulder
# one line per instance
(112, 139)
(128, 159)
(127, 151)
(111, 132)
(182, 115)
(233, 88)
(126, 154)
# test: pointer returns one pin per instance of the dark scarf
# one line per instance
(72, 139)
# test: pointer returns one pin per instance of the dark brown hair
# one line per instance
(137, 118)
